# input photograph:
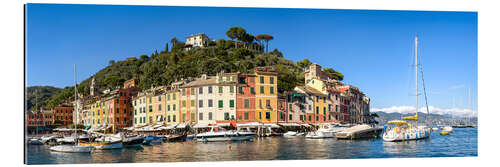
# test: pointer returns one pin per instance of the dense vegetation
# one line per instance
(176, 62)
(35, 95)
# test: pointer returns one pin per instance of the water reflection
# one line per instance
(463, 142)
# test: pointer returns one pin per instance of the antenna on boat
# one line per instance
(416, 75)
(76, 107)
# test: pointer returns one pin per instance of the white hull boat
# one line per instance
(35, 142)
(72, 148)
(325, 131)
(224, 136)
(395, 135)
(290, 134)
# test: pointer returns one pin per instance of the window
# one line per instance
(150, 108)
(324, 110)
(231, 103)
(240, 90)
(168, 107)
(200, 104)
(247, 103)
(168, 97)
(271, 80)
(268, 115)
(168, 118)
(336, 108)
(317, 98)
(290, 107)
(271, 90)
(246, 115)
(183, 103)
(261, 89)
(280, 116)
(200, 91)
(174, 118)
(150, 101)
(210, 103)
(173, 107)
(221, 104)
(324, 100)
(124, 111)
(159, 98)
(174, 96)
(117, 110)
(210, 89)
(329, 107)
(193, 103)
(226, 116)
(268, 103)
(261, 79)
(252, 90)
(260, 115)
(317, 109)
(117, 119)
(220, 89)
(210, 116)
(309, 118)
(192, 91)
(200, 117)
(317, 118)
(150, 119)
(290, 117)
(135, 102)
(231, 89)
(159, 107)
(193, 117)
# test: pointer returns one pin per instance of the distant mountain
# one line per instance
(37, 94)
(431, 119)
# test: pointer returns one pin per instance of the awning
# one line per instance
(250, 124)
(291, 124)
(223, 124)
(87, 128)
(272, 125)
(297, 95)
(183, 125)
(201, 125)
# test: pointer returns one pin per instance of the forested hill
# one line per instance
(35, 95)
(176, 62)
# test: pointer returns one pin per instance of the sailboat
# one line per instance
(73, 148)
(402, 130)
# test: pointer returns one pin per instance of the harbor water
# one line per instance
(462, 142)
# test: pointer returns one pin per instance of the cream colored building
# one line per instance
(198, 40)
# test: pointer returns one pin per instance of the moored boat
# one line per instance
(72, 148)
(325, 131)
(35, 142)
(290, 134)
(446, 130)
(223, 135)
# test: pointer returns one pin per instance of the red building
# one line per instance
(63, 114)
(245, 98)
(282, 110)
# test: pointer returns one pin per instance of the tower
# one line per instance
(92, 87)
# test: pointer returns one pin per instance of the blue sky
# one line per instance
(373, 49)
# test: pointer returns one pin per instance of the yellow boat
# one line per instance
(445, 132)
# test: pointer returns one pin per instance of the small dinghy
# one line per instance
(290, 134)
(35, 142)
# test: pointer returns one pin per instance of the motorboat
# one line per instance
(290, 134)
(435, 129)
(35, 141)
(152, 140)
(129, 141)
(175, 137)
(66, 140)
(46, 139)
(446, 130)
(325, 131)
(220, 134)
(103, 143)
(359, 131)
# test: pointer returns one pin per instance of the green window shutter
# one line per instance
(261, 89)
(231, 89)
(231, 103)
(220, 89)
(221, 104)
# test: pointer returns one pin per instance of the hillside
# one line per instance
(433, 119)
(35, 95)
(169, 65)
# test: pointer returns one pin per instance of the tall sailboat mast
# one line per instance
(416, 75)
(76, 107)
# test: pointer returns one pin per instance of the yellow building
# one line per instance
(266, 98)
(172, 106)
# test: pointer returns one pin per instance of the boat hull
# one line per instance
(104, 145)
(393, 136)
(225, 138)
(72, 149)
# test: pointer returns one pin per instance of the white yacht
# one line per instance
(325, 131)
(220, 134)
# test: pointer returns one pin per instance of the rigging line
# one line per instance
(423, 85)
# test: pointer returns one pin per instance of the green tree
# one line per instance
(113, 81)
(111, 62)
(237, 33)
(144, 58)
(304, 63)
(266, 38)
(335, 75)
